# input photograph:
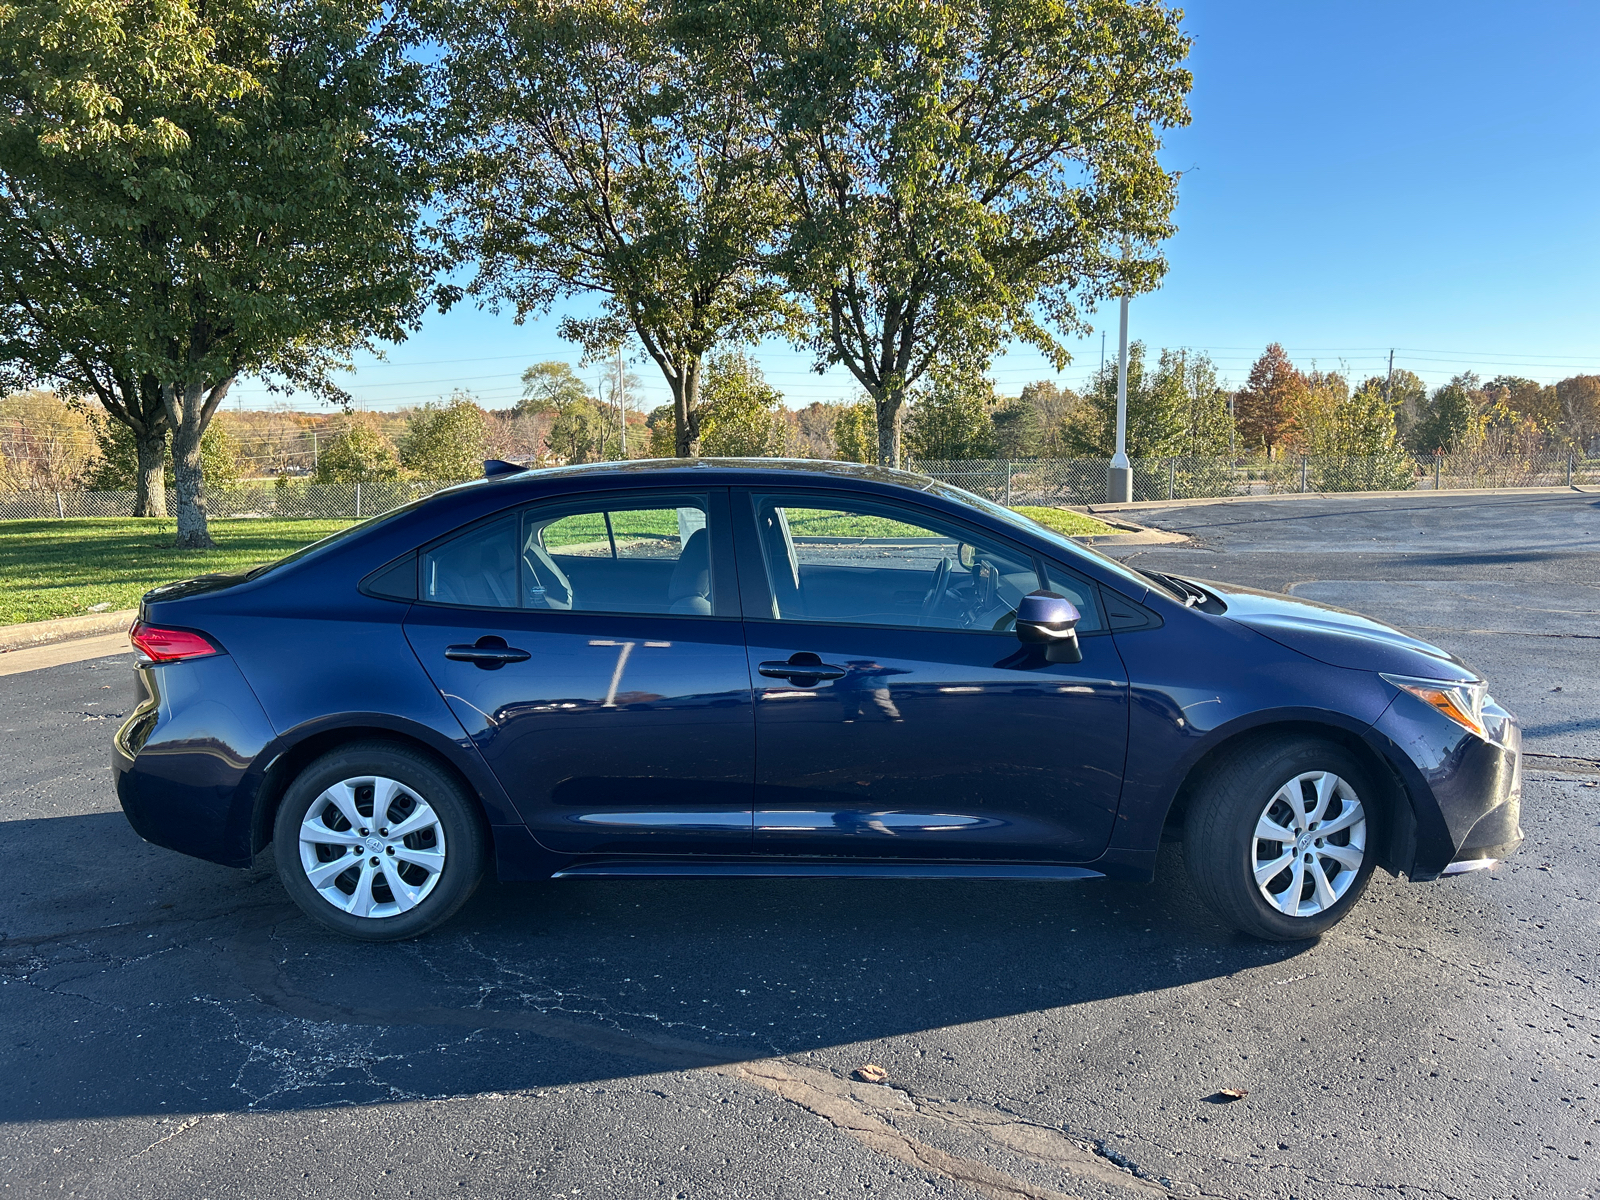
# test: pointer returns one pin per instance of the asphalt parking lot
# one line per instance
(171, 1028)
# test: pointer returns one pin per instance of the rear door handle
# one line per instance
(489, 653)
(804, 669)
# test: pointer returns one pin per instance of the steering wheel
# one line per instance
(941, 577)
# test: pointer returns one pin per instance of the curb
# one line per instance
(1136, 505)
(42, 633)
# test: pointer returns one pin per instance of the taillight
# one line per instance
(169, 645)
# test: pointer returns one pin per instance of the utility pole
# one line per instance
(622, 404)
(1119, 477)
(1388, 383)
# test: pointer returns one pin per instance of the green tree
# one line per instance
(602, 146)
(1205, 421)
(444, 442)
(1407, 395)
(1055, 405)
(662, 423)
(1157, 411)
(949, 419)
(198, 191)
(855, 432)
(583, 426)
(963, 174)
(742, 412)
(1018, 429)
(548, 387)
(1448, 419)
(121, 466)
(358, 452)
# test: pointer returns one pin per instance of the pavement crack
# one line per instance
(182, 1128)
(865, 1112)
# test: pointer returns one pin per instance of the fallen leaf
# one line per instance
(1227, 1095)
(871, 1073)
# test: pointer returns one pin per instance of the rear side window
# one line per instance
(478, 569)
(639, 556)
(650, 557)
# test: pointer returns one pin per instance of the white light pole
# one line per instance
(1119, 479)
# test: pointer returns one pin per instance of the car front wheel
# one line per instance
(377, 842)
(1280, 838)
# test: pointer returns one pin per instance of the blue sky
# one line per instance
(1358, 176)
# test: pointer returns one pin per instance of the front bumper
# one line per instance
(1465, 791)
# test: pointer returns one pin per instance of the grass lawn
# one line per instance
(62, 568)
(1073, 524)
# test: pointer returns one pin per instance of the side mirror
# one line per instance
(1050, 620)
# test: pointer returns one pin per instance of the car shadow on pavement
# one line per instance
(138, 981)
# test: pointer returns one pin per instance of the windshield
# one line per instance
(1138, 578)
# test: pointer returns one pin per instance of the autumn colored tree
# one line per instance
(1579, 398)
(1525, 398)
(1264, 408)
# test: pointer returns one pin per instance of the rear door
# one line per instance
(896, 714)
(593, 651)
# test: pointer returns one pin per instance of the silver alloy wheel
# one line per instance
(1310, 841)
(372, 847)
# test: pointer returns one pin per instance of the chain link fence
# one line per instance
(1049, 481)
(1085, 480)
(280, 499)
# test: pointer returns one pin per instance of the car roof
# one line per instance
(727, 470)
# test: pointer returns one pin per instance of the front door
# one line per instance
(896, 714)
(593, 652)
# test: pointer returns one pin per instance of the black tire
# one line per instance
(1222, 853)
(455, 820)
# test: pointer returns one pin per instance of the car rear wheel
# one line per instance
(1280, 838)
(377, 842)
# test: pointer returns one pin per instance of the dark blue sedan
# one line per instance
(714, 669)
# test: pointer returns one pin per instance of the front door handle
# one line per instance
(803, 669)
(488, 653)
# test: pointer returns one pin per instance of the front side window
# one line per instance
(631, 557)
(873, 563)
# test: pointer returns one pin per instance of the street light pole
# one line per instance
(1119, 479)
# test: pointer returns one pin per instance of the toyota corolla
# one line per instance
(722, 669)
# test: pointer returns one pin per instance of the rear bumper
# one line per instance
(184, 761)
(1465, 791)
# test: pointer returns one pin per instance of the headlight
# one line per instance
(1461, 702)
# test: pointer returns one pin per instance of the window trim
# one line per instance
(755, 586)
(724, 581)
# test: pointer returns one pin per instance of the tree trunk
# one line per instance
(193, 533)
(190, 407)
(686, 408)
(150, 498)
(887, 407)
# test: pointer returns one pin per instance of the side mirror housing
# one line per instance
(1050, 620)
